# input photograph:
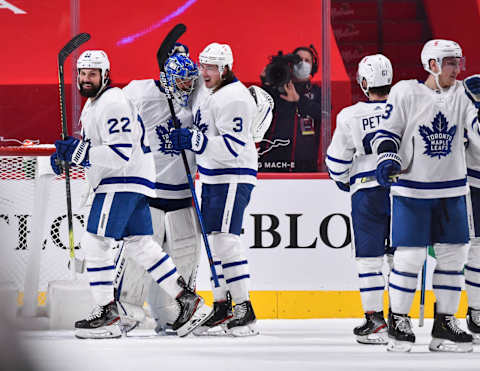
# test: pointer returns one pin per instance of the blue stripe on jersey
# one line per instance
(127, 180)
(99, 269)
(229, 147)
(388, 134)
(101, 283)
(231, 171)
(361, 175)
(337, 172)
(338, 160)
(226, 138)
(473, 173)
(171, 187)
(114, 148)
(431, 185)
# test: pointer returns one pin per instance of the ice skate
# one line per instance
(400, 335)
(243, 321)
(193, 311)
(102, 323)
(217, 324)
(447, 336)
(473, 324)
(373, 330)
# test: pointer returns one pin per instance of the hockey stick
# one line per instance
(162, 55)
(62, 56)
(394, 177)
(421, 315)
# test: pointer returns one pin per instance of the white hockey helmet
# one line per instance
(376, 70)
(94, 59)
(437, 50)
(217, 54)
(264, 115)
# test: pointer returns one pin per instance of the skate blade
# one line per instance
(199, 317)
(443, 345)
(219, 330)
(399, 346)
(373, 339)
(244, 331)
(105, 332)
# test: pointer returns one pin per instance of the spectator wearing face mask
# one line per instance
(292, 142)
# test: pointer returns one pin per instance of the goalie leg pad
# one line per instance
(163, 307)
(448, 276)
(472, 274)
(371, 282)
(407, 262)
(158, 224)
(100, 266)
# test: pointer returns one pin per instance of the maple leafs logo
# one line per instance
(438, 142)
(197, 121)
(164, 139)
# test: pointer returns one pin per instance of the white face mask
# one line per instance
(302, 70)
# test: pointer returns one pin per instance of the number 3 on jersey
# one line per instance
(388, 111)
(238, 124)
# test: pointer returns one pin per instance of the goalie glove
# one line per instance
(73, 150)
(191, 139)
(472, 89)
(264, 115)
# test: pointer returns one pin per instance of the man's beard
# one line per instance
(89, 93)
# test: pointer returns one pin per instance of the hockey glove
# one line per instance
(388, 165)
(56, 164)
(191, 139)
(345, 187)
(472, 89)
(73, 150)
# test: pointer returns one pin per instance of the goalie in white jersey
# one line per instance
(119, 166)
(423, 125)
(174, 221)
(227, 162)
(351, 164)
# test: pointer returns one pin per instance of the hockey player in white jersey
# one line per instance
(421, 136)
(120, 168)
(350, 163)
(227, 163)
(472, 267)
(174, 221)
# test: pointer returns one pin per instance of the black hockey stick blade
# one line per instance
(168, 44)
(72, 45)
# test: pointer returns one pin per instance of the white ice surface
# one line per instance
(326, 344)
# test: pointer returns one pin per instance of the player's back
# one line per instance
(111, 124)
(151, 101)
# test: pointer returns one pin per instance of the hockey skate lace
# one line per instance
(453, 323)
(404, 324)
(239, 310)
(96, 313)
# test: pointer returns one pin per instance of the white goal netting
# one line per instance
(33, 219)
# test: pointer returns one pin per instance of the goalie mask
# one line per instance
(438, 50)
(180, 76)
(217, 54)
(96, 59)
(376, 70)
(264, 115)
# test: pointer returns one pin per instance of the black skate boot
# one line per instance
(373, 330)
(400, 335)
(447, 336)
(216, 325)
(102, 323)
(193, 311)
(473, 323)
(243, 321)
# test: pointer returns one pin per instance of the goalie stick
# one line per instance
(62, 56)
(162, 55)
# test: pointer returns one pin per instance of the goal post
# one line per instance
(33, 221)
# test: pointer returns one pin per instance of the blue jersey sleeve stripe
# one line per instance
(338, 160)
(337, 172)
(232, 138)
(473, 173)
(388, 134)
(127, 179)
(114, 147)
(229, 147)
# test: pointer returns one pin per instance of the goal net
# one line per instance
(33, 222)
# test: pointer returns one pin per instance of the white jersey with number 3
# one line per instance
(120, 157)
(349, 155)
(226, 117)
(434, 124)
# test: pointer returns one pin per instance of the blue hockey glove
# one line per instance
(345, 187)
(388, 165)
(56, 164)
(73, 150)
(184, 138)
(472, 89)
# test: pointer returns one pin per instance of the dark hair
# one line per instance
(380, 90)
(313, 52)
(226, 78)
